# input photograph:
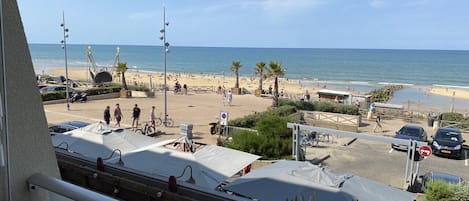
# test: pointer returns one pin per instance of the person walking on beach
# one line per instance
(118, 115)
(153, 116)
(229, 97)
(378, 123)
(184, 89)
(135, 116)
(107, 115)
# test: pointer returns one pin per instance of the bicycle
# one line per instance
(310, 139)
(158, 121)
(146, 129)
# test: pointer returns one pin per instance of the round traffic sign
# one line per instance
(425, 150)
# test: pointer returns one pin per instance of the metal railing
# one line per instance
(40, 182)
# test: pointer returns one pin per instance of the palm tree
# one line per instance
(276, 71)
(121, 69)
(260, 67)
(235, 66)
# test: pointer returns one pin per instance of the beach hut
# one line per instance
(335, 96)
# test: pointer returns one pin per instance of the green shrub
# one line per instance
(305, 105)
(282, 110)
(248, 121)
(283, 101)
(273, 140)
(449, 118)
(269, 147)
(90, 92)
(272, 125)
(325, 106)
(138, 88)
(53, 96)
(100, 90)
(452, 116)
(461, 193)
(321, 106)
(348, 109)
(439, 191)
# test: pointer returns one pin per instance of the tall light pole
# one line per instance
(64, 46)
(165, 50)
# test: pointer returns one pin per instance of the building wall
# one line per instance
(24, 126)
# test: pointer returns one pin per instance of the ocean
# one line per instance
(356, 69)
(356, 66)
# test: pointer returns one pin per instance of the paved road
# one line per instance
(377, 161)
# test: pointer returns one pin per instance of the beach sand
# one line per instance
(194, 80)
(450, 92)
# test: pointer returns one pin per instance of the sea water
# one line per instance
(359, 70)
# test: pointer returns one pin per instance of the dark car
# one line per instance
(433, 176)
(66, 126)
(409, 132)
(448, 142)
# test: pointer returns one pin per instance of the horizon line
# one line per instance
(191, 46)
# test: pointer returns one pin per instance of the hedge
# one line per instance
(321, 106)
(108, 88)
(455, 117)
(249, 121)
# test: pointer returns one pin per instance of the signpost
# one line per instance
(425, 151)
(224, 118)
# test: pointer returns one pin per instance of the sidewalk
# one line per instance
(196, 109)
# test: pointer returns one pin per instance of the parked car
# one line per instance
(409, 132)
(52, 89)
(433, 176)
(66, 126)
(448, 142)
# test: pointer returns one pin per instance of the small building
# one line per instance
(335, 96)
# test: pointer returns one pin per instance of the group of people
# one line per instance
(227, 95)
(178, 88)
(118, 115)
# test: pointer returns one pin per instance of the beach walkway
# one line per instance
(196, 109)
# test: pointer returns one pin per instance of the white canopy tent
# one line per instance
(210, 165)
(289, 179)
(99, 140)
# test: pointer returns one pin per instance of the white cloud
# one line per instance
(376, 3)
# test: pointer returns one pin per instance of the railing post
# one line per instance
(296, 142)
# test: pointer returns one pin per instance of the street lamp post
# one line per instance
(165, 50)
(64, 46)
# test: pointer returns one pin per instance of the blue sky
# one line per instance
(382, 24)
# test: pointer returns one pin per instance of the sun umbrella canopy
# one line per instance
(210, 165)
(99, 140)
(294, 179)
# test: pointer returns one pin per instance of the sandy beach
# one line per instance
(193, 80)
(450, 92)
(293, 89)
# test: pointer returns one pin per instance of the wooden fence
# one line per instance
(332, 120)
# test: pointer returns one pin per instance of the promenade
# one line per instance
(196, 109)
